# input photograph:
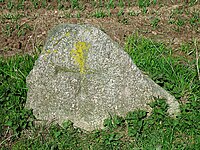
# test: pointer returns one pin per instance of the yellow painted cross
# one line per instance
(79, 54)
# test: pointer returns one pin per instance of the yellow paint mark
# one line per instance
(67, 34)
(45, 57)
(48, 51)
(79, 54)
(55, 51)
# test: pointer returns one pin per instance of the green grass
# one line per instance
(154, 22)
(74, 4)
(110, 4)
(158, 61)
(13, 17)
(121, 3)
(183, 16)
(188, 48)
(133, 13)
(144, 3)
(12, 24)
(20, 4)
(120, 13)
(99, 14)
(21, 30)
(134, 131)
(13, 117)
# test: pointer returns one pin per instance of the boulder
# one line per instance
(84, 76)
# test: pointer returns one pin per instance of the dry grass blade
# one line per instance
(197, 58)
(7, 139)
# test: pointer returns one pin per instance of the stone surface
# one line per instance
(84, 76)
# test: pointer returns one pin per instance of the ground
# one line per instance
(24, 27)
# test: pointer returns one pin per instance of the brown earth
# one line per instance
(27, 33)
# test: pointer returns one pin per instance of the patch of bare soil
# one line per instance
(24, 31)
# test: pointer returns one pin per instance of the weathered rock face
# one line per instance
(83, 76)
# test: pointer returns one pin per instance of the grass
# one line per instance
(182, 16)
(134, 131)
(11, 16)
(144, 3)
(75, 4)
(20, 29)
(120, 13)
(132, 13)
(110, 4)
(99, 14)
(12, 24)
(154, 22)
(176, 73)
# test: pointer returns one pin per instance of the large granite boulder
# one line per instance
(84, 76)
